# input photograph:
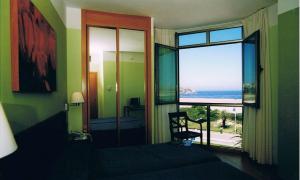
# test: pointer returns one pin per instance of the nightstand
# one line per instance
(80, 138)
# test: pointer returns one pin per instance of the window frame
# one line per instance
(156, 75)
(208, 43)
(258, 70)
(207, 32)
(207, 105)
(196, 32)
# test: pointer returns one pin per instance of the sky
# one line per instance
(211, 68)
(215, 36)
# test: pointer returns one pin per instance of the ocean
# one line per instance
(213, 94)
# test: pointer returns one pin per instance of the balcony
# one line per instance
(223, 126)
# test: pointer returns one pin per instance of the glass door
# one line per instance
(102, 85)
(117, 86)
(132, 87)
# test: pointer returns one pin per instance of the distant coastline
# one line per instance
(236, 94)
(221, 101)
(210, 100)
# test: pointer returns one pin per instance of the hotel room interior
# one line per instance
(86, 88)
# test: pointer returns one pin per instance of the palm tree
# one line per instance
(224, 116)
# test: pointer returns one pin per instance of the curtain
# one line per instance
(257, 124)
(161, 120)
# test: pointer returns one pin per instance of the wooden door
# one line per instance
(93, 95)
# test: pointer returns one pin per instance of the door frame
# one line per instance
(91, 18)
(97, 98)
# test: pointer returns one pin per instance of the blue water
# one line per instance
(213, 94)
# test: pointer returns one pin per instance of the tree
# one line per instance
(239, 116)
(224, 116)
(214, 115)
(195, 112)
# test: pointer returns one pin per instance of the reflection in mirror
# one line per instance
(102, 82)
(132, 86)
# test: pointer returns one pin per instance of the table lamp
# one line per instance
(77, 98)
(7, 141)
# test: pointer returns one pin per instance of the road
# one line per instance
(226, 139)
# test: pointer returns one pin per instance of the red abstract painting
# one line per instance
(33, 51)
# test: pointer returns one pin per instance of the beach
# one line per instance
(211, 100)
(214, 100)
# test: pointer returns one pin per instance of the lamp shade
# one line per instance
(7, 141)
(77, 98)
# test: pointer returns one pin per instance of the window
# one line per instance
(251, 69)
(192, 39)
(226, 35)
(210, 84)
(165, 74)
(209, 37)
(211, 72)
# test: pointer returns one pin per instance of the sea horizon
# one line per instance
(213, 94)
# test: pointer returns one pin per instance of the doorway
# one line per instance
(117, 75)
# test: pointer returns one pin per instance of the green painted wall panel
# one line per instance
(131, 83)
(273, 42)
(109, 89)
(23, 109)
(74, 76)
(288, 94)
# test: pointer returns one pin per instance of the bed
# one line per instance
(203, 171)
(45, 153)
(104, 124)
(161, 161)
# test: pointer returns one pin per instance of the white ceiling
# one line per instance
(177, 14)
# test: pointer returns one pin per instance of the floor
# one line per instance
(242, 162)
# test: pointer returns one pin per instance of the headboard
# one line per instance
(38, 147)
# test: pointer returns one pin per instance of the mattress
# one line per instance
(112, 162)
(214, 170)
(110, 123)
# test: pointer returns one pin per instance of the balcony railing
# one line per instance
(224, 122)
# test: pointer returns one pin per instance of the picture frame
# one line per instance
(33, 49)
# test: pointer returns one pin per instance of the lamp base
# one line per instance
(80, 136)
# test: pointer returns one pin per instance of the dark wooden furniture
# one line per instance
(179, 126)
(93, 95)
(44, 152)
(127, 109)
(134, 105)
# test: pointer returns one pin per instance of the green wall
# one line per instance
(74, 76)
(109, 89)
(273, 42)
(24, 109)
(288, 94)
(131, 82)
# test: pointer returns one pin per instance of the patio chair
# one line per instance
(179, 126)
